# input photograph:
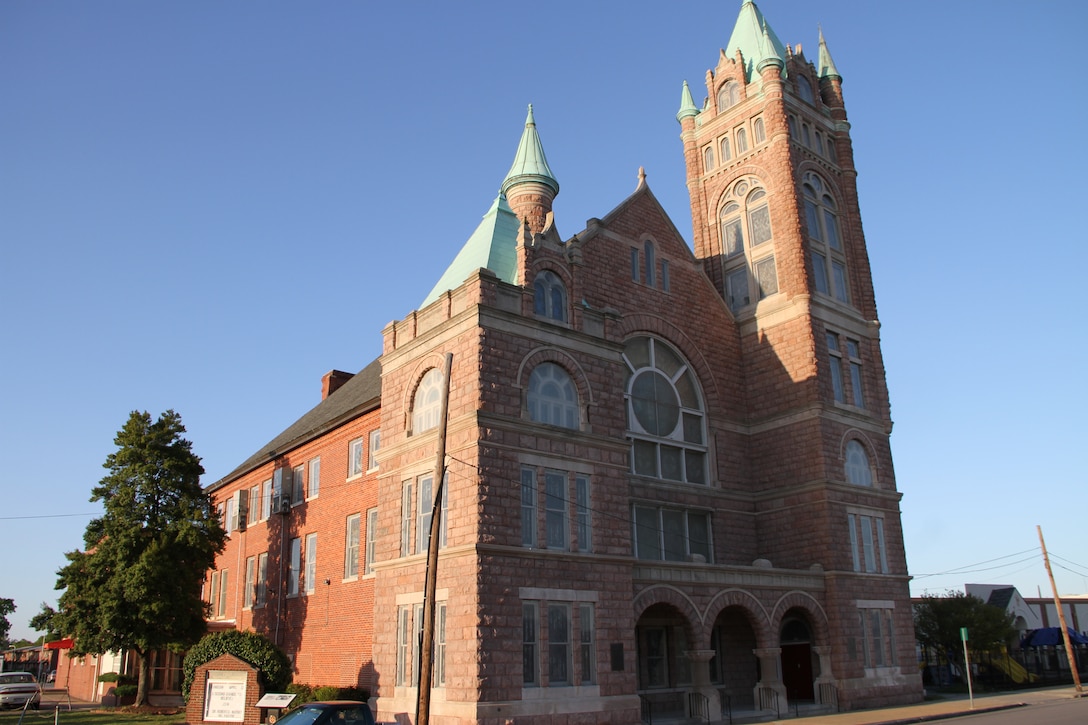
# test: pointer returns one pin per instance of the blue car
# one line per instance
(334, 712)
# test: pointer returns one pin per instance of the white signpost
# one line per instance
(967, 667)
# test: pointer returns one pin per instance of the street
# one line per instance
(1063, 712)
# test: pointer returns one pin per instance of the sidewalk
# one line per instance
(948, 706)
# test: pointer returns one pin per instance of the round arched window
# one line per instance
(552, 398)
(665, 417)
(858, 471)
(428, 400)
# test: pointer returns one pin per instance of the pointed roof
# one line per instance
(529, 162)
(687, 104)
(825, 65)
(493, 245)
(756, 41)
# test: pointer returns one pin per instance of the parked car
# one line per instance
(333, 712)
(19, 688)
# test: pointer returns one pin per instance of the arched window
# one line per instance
(858, 471)
(804, 89)
(759, 131)
(728, 96)
(708, 158)
(651, 263)
(428, 401)
(550, 296)
(552, 398)
(806, 135)
(791, 124)
(665, 416)
(727, 149)
(747, 265)
(742, 140)
(828, 258)
(819, 143)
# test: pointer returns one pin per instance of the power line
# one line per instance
(970, 568)
(45, 516)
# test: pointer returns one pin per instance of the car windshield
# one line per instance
(14, 677)
(337, 715)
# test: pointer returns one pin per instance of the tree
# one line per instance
(7, 606)
(45, 621)
(137, 585)
(937, 623)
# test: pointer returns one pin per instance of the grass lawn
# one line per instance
(103, 716)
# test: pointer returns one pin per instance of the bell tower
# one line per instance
(774, 204)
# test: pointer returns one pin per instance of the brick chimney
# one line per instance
(332, 381)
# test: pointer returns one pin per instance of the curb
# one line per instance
(949, 715)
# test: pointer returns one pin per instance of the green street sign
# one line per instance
(963, 633)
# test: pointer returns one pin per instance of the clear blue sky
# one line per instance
(207, 205)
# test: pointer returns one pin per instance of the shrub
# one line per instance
(273, 667)
(124, 691)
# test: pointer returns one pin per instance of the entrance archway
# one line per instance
(662, 637)
(795, 639)
(734, 668)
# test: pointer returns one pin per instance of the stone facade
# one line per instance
(668, 475)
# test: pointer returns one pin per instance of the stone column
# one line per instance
(700, 680)
(770, 678)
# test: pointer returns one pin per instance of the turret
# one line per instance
(529, 186)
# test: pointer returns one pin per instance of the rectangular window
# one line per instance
(315, 478)
(406, 519)
(737, 289)
(665, 275)
(417, 639)
(838, 280)
(266, 500)
(671, 535)
(836, 367)
(403, 644)
(355, 458)
(759, 222)
(375, 444)
(298, 485)
(853, 353)
(559, 645)
(229, 517)
(733, 235)
(351, 547)
(213, 597)
(867, 546)
(293, 565)
(877, 637)
(528, 507)
(766, 277)
(555, 509)
(583, 521)
(251, 583)
(223, 593)
(371, 531)
(587, 644)
(530, 612)
(634, 265)
(440, 644)
(262, 579)
(819, 272)
(254, 514)
(424, 512)
(310, 578)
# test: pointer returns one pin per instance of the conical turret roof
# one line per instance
(756, 40)
(530, 164)
(825, 65)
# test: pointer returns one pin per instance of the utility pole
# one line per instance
(1061, 616)
(426, 648)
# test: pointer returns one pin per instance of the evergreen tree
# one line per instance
(7, 606)
(137, 586)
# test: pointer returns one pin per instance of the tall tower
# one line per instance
(771, 175)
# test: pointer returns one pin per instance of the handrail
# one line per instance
(768, 700)
(698, 706)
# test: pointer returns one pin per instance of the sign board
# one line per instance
(963, 633)
(225, 697)
(276, 699)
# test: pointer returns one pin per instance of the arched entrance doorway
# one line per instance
(662, 637)
(734, 668)
(798, 671)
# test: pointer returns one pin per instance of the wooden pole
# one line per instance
(1061, 616)
(426, 647)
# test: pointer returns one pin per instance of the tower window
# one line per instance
(728, 96)
(747, 217)
(742, 140)
(804, 89)
(825, 241)
(708, 158)
(727, 149)
(858, 471)
(550, 296)
(759, 132)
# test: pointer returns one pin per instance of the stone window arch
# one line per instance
(550, 296)
(427, 401)
(552, 397)
(857, 468)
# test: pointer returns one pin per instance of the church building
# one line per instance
(668, 485)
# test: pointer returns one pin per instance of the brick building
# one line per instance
(668, 476)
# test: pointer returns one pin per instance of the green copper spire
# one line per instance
(756, 41)
(687, 104)
(493, 245)
(529, 162)
(825, 65)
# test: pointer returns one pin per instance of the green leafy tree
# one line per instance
(137, 585)
(937, 623)
(272, 664)
(44, 621)
(7, 606)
